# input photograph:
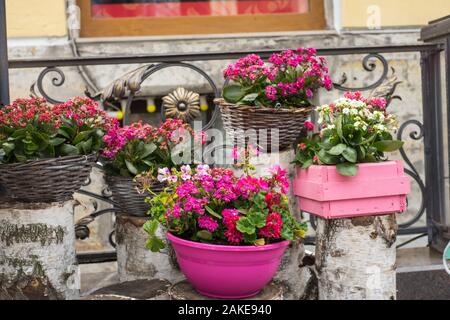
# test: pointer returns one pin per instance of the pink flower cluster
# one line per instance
(82, 110)
(251, 67)
(117, 138)
(377, 103)
(201, 192)
(290, 73)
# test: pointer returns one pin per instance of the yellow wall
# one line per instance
(393, 13)
(47, 18)
(36, 18)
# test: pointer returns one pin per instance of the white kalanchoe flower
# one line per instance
(163, 174)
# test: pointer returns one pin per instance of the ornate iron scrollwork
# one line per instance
(370, 66)
(58, 80)
(412, 172)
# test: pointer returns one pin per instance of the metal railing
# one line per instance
(429, 129)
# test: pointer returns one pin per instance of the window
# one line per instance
(104, 18)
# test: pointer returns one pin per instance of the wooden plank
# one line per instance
(332, 191)
(436, 29)
(90, 27)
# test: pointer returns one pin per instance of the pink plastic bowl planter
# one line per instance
(228, 272)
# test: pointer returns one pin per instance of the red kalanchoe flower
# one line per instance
(273, 226)
(309, 126)
(230, 218)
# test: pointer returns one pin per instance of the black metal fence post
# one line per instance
(4, 65)
(438, 214)
(434, 146)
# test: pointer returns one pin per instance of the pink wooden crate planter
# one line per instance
(377, 189)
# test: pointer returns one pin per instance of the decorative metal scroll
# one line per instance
(370, 66)
(58, 80)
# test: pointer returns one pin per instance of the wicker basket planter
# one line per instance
(125, 192)
(289, 122)
(48, 180)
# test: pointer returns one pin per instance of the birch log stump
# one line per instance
(355, 258)
(135, 261)
(290, 274)
(37, 252)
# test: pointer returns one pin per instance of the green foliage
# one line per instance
(352, 131)
(154, 243)
(38, 141)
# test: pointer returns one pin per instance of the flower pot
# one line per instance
(46, 180)
(250, 120)
(377, 189)
(227, 272)
(125, 192)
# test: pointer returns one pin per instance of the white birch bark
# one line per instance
(37, 252)
(356, 258)
(134, 261)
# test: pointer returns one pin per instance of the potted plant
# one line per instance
(274, 96)
(342, 170)
(47, 152)
(229, 233)
(138, 148)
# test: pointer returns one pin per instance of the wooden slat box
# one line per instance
(377, 189)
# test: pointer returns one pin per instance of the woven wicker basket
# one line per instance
(125, 192)
(47, 180)
(289, 122)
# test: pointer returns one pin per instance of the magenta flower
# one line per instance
(207, 223)
(309, 125)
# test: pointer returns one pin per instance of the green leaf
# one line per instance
(8, 147)
(287, 234)
(65, 131)
(338, 124)
(307, 164)
(56, 141)
(245, 225)
(337, 150)
(388, 145)
(257, 219)
(350, 155)
(19, 133)
(233, 93)
(131, 167)
(147, 150)
(68, 150)
(250, 238)
(20, 156)
(151, 226)
(205, 235)
(361, 153)
(2, 155)
(250, 97)
(327, 158)
(155, 244)
(82, 136)
(347, 169)
(213, 213)
(86, 146)
(147, 163)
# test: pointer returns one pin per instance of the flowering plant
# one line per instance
(139, 148)
(289, 80)
(31, 129)
(215, 206)
(353, 130)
